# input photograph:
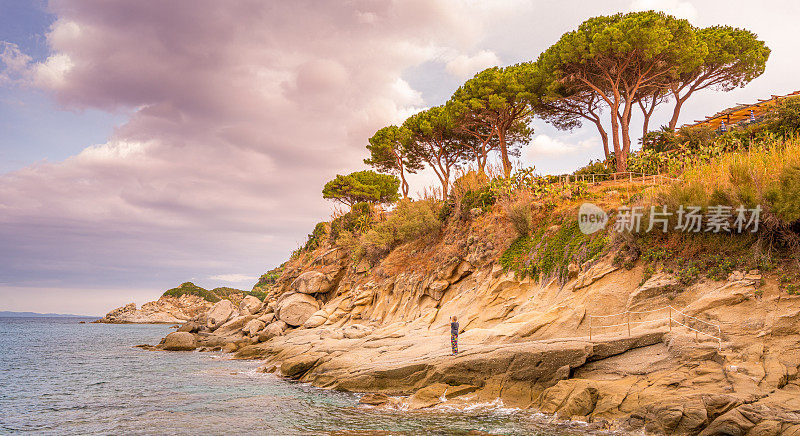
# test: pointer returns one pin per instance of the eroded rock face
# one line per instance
(179, 341)
(657, 285)
(312, 282)
(297, 308)
(222, 311)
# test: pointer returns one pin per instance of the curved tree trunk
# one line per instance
(504, 153)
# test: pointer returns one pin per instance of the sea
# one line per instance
(62, 377)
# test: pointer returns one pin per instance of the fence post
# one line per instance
(670, 318)
(592, 179)
(630, 177)
(629, 324)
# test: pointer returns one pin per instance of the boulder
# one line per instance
(220, 313)
(234, 326)
(253, 327)
(317, 319)
(191, 327)
(312, 282)
(250, 305)
(274, 329)
(267, 317)
(296, 366)
(179, 341)
(297, 308)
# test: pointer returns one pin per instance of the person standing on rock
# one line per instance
(454, 334)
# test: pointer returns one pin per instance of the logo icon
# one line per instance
(591, 218)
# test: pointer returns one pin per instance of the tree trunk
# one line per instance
(504, 152)
(603, 136)
(673, 122)
(403, 183)
(614, 109)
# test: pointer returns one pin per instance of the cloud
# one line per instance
(544, 146)
(464, 67)
(234, 278)
(239, 113)
(678, 8)
(14, 65)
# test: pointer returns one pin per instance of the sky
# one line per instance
(145, 144)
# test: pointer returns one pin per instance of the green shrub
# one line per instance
(784, 197)
(358, 220)
(316, 237)
(549, 255)
(519, 213)
(190, 288)
(411, 220)
(482, 198)
(785, 118)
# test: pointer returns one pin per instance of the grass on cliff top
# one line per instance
(766, 175)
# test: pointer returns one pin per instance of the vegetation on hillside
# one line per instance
(213, 295)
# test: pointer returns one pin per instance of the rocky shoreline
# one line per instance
(526, 343)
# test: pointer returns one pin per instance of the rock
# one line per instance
(658, 284)
(220, 313)
(296, 366)
(179, 341)
(234, 326)
(230, 347)
(191, 327)
(570, 398)
(274, 329)
(766, 428)
(317, 319)
(593, 274)
(573, 269)
(253, 327)
(435, 393)
(787, 324)
(295, 309)
(250, 305)
(735, 276)
(737, 421)
(267, 317)
(356, 331)
(375, 399)
(437, 288)
(312, 282)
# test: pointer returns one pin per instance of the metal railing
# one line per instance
(629, 176)
(673, 315)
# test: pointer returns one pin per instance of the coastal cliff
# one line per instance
(383, 329)
(669, 332)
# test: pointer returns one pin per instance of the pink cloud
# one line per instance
(240, 111)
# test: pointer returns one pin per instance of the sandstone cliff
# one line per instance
(657, 362)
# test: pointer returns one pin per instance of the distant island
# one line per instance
(10, 314)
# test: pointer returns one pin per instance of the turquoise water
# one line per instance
(61, 377)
